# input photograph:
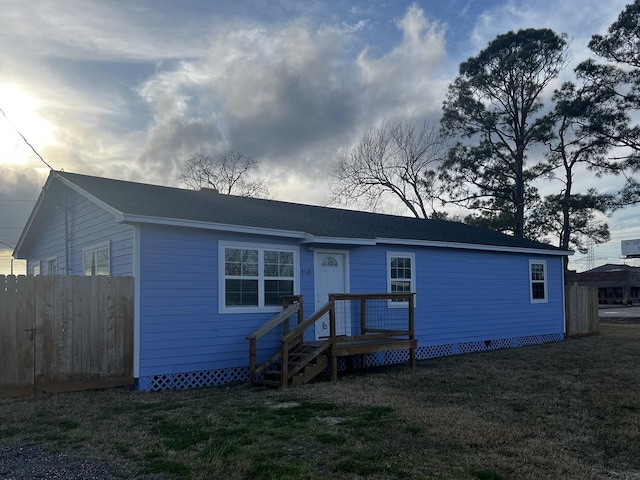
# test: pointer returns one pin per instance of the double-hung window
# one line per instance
(96, 261)
(256, 277)
(538, 281)
(400, 274)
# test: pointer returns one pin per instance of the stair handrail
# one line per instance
(295, 337)
(274, 322)
(306, 323)
(282, 317)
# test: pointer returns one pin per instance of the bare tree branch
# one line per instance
(228, 173)
(396, 159)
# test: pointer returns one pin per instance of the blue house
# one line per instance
(210, 269)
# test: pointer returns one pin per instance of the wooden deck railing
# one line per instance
(383, 326)
(378, 334)
(367, 328)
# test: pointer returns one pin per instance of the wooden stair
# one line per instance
(305, 364)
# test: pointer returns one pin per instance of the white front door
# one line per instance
(331, 277)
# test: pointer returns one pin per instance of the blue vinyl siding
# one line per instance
(465, 295)
(88, 225)
(462, 296)
(181, 329)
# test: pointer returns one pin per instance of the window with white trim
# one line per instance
(400, 274)
(52, 266)
(96, 260)
(538, 281)
(256, 277)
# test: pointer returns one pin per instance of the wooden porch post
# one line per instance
(332, 337)
(252, 360)
(301, 310)
(284, 366)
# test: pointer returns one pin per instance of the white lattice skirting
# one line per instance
(208, 378)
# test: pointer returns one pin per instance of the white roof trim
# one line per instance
(176, 222)
(472, 246)
(340, 240)
(116, 213)
(29, 223)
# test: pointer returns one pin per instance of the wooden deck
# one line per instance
(347, 346)
(360, 346)
(300, 361)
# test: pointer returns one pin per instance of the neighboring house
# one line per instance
(210, 269)
(616, 284)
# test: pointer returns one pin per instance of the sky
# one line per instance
(129, 89)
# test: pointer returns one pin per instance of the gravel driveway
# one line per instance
(32, 462)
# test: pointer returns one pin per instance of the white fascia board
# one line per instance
(25, 231)
(473, 246)
(339, 240)
(117, 214)
(30, 220)
(176, 222)
(305, 238)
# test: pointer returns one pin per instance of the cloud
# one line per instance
(130, 93)
(170, 142)
(578, 19)
(80, 61)
(94, 30)
(290, 94)
(131, 88)
(19, 189)
(270, 90)
(404, 81)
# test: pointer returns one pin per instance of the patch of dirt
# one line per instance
(279, 406)
(332, 420)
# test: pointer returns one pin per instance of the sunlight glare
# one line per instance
(23, 112)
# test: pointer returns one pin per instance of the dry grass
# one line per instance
(568, 410)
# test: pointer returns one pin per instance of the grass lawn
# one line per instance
(568, 410)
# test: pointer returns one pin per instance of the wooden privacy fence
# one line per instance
(581, 310)
(64, 333)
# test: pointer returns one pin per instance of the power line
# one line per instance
(7, 245)
(25, 140)
(62, 269)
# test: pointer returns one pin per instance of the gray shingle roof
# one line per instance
(153, 201)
